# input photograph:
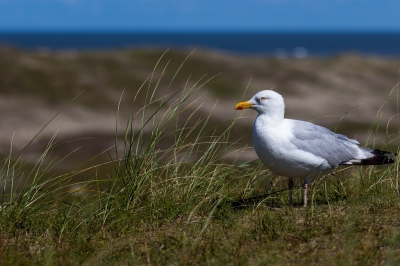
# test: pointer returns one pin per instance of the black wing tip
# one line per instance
(379, 157)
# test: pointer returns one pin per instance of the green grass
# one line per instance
(175, 196)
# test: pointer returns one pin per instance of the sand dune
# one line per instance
(34, 86)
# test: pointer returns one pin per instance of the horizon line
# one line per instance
(203, 31)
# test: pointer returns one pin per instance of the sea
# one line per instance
(299, 45)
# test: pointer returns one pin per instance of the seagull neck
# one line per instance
(270, 118)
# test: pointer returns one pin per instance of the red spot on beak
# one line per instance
(243, 105)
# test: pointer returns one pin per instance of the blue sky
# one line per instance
(199, 15)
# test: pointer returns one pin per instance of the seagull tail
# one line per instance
(373, 157)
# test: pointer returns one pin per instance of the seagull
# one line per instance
(300, 149)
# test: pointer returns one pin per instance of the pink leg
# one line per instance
(305, 186)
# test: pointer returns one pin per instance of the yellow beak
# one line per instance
(243, 105)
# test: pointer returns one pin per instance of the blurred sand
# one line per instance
(34, 86)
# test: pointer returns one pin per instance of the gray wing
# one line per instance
(320, 141)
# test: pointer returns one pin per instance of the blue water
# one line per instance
(278, 44)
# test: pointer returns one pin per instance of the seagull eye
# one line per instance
(262, 98)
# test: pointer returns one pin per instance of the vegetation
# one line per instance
(177, 192)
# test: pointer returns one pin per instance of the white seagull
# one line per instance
(299, 149)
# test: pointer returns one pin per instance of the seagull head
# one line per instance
(265, 102)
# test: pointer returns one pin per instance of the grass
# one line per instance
(178, 194)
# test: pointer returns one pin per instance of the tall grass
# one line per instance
(178, 193)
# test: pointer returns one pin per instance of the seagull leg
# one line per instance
(291, 185)
(305, 186)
